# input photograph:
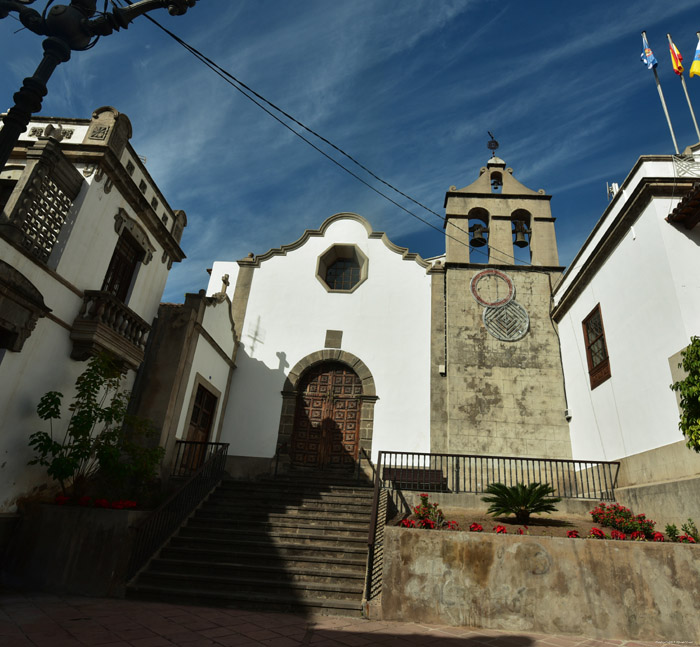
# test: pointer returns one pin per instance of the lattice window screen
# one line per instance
(46, 215)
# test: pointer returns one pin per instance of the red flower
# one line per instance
(476, 527)
(129, 504)
(84, 501)
(597, 533)
(686, 539)
(61, 499)
(101, 503)
(520, 531)
(572, 534)
(429, 524)
(500, 530)
(452, 525)
(408, 523)
(616, 534)
(657, 536)
(638, 535)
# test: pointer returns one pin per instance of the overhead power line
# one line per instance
(257, 98)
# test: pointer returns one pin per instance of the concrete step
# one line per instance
(287, 500)
(262, 545)
(276, 536)
(241, 559)
(281, 521)
(251, 572)
(263, 600)
(225, 580)
(309, 510)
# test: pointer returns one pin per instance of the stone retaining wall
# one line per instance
(626, 590)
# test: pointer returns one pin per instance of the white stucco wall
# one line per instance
(648, 293)
(80, 258)
(385, 323)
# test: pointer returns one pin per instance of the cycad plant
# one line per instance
(520, 500)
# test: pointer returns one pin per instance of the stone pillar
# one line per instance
(500, 241)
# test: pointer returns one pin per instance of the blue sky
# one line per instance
(408, 87)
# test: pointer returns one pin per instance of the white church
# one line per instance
(322, 352)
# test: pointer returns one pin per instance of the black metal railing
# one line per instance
(153, 531)
(191, 455)
(472, 473)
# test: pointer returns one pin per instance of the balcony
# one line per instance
(104, 323)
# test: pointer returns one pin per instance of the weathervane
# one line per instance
(492, 145)
(69, 28)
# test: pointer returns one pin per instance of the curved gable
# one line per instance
(321, 232)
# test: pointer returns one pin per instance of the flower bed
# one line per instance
(618, 524)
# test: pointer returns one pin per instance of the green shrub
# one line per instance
(100, 435)
(520, 500)
(672, 532)
(689, 390)
(691, 529)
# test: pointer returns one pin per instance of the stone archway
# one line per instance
(291, 392)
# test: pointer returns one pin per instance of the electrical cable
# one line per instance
(243, 88)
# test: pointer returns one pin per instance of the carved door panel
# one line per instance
(327, 419)
(199, 427)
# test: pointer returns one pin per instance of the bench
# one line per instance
(416, 478)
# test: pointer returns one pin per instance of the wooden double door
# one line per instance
(326, 430)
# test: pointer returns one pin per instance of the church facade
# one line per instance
(346, 344)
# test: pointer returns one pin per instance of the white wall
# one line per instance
(44, 363)
(648, 292)
(385, 323)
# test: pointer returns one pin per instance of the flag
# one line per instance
(695, 67)
(648, 57)
(676, 58)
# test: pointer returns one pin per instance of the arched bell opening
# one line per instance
(522, 233)
(479, 233)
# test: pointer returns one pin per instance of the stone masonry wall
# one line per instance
(501, 397)
(626, 590)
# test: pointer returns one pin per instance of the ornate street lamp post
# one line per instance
(68, 27)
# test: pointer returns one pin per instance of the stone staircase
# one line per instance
(293, 543)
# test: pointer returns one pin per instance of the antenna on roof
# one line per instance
(492, 145)
(613, 188)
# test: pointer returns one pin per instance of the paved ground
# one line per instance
(44, 620)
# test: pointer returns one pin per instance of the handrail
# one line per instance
(151, 532)
(190, 454)
(373, 527)
(571, 478)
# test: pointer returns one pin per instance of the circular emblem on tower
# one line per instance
(504, 318)
(507, 323)
(492, 288)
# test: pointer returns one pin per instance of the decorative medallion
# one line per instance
(497, 295)
(507, 323)
(504, 318)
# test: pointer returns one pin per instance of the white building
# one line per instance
(356, 307)
(86, 243)
(625, 309)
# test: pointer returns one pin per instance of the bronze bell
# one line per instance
(520, 231)
(478, 239)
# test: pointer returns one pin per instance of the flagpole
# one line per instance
(685, 89)
(663, 102)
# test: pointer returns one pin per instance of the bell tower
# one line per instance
(496, 377)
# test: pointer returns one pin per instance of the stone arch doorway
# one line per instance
(327, 412)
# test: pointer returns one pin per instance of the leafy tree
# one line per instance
(520, 500)
(689, 389)
(100, 435)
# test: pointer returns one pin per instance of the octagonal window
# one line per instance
(342, 268)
